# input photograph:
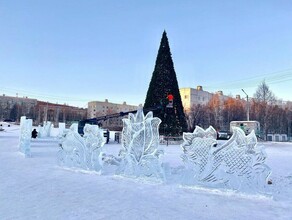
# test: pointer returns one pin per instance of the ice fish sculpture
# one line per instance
(140, 154)
(239, 164)
(81, 152)
(197, 148)
(25, 136)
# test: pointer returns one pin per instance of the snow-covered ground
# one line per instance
(37, 188)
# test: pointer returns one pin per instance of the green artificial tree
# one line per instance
(163, 83)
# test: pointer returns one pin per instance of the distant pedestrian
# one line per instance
(34, 133)
(107, 136)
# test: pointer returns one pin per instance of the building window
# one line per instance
(186, 96)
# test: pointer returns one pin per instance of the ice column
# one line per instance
(62, 127)
(25, 136)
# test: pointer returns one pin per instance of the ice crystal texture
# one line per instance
(81, 152)
(45, 131)
(140, 154)
(238, 164)
(62, 127)
(25, 136)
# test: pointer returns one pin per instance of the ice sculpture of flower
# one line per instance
(140, 155)
(238, 164)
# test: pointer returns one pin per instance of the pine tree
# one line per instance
(164, 82)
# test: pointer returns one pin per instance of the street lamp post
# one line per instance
(247, 103)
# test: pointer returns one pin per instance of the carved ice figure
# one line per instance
(238, 164)
(197, 148)
(25, 136)
(243, 161)
(140, 155)
(72, 149)
(39, 131)
(62, 127)
(94, 141)
(81, 152)
(45, 131)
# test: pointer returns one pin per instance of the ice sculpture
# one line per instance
(25, 136)
(94, 140)
(239, 164)
(81, 152)
(45, 131)
(140, 154)
(62, 127)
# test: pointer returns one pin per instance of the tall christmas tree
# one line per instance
(162, 84)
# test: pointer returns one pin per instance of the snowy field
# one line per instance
(37, 188)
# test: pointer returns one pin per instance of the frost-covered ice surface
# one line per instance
(37, 188)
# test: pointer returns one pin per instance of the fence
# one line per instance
(170, 140)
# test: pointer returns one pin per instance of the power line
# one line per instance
(271, 78)
(42, 96)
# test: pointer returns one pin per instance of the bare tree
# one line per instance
(233, 111)
(196, 116)
(264, 98)
(215, 107)
(263, 94)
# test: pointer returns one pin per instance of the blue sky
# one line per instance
(78, 51)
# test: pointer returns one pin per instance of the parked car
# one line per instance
(223, 135)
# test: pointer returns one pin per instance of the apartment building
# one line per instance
(12, 108)
(46, 111)
(191, 97)
(15, 106)
(102, 108)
